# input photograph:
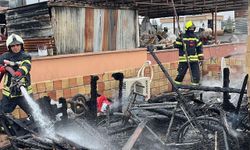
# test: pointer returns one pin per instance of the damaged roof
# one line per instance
(164, 8)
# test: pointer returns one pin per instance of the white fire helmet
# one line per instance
(14, 39)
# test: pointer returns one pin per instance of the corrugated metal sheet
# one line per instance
(98, 34)
(89, 29)
(69, 31)
(127, 30)
(31, 21)
(79, 29)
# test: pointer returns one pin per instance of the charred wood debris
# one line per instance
(182, 119)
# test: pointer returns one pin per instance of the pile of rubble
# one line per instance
(160, 38)
(177, 120)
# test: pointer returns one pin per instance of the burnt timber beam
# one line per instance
(226, 96)
(241, 94)
(214, 89)
(131, 141)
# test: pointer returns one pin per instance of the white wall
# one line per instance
(198, 25)
(34, 1)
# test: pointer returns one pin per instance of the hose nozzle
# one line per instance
(16, 84)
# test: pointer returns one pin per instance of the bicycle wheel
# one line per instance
(79, 105)
(217, 135)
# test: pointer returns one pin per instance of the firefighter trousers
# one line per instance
(182, 70)
(7, 104)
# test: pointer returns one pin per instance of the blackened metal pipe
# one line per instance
(94, 94)
(241, 94)
(119, 76)
(227, 105)
(214, 89)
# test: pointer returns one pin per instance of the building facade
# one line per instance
(200, 21)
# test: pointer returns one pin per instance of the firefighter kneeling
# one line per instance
(190, 43)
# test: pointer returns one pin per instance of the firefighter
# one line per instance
(20, 63)
(193, 47)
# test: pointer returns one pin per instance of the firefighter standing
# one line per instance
(193, 47)
(20, 62)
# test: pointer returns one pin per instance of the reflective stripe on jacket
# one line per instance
(192, 45)
(24, 61)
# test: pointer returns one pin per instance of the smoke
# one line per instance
(236, 75)
(236, 83)
(116, 104)
(214, 97)
(236, 79)
(217, 96)
(124, 102)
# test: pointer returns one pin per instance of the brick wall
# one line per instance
(68, 87)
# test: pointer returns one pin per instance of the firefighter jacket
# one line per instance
(192, 45)
(24, 65)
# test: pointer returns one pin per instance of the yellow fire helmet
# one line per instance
(14, 39)
(190, 26)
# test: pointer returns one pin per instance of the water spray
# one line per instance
(18, 87)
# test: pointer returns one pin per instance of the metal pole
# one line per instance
(215, 25)
(226, 81)
(241, 94)
(208, 88)
(174, 24)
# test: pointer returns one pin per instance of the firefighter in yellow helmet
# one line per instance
(15, 64)
(193, 46)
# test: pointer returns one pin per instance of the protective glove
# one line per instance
(201, 58)
(11, 63)
(18, 74)
(2, 69)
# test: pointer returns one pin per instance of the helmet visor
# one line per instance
(15, 43)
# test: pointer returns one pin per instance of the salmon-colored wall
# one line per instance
(171, 55)
(65, 66)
